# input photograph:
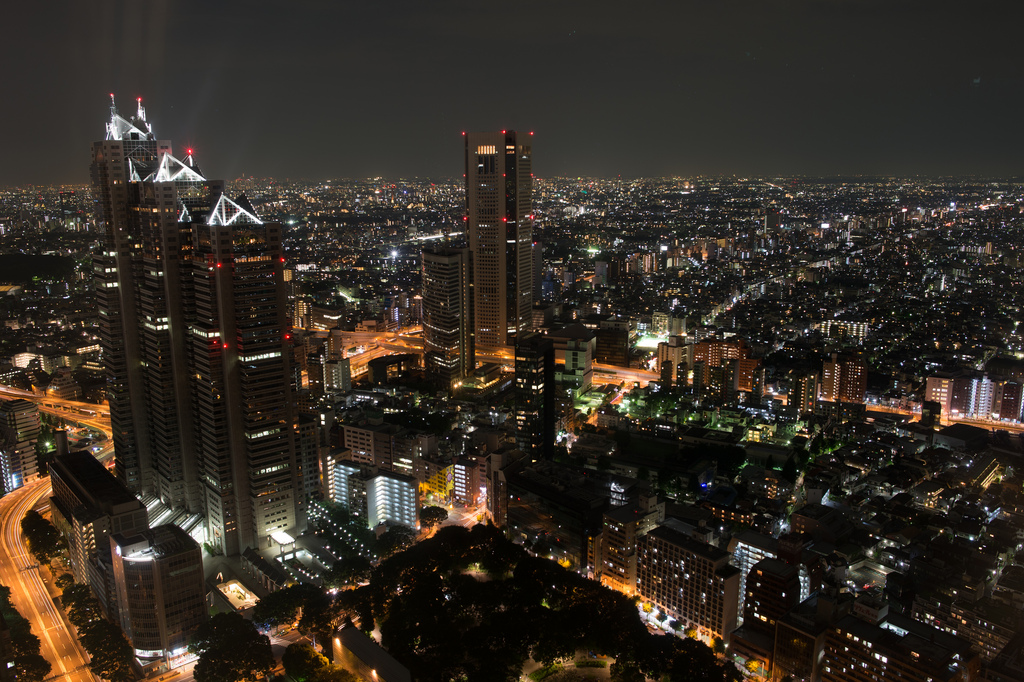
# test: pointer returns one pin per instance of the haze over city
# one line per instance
(357, 89)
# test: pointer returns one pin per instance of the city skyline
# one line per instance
(813, 88)
(666, 403)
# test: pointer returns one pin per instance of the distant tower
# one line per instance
(535, 395)
(499, 213)
(194, 338)
(844, 379)
(447, 316)
(803, 392)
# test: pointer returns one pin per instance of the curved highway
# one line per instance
(32, 599)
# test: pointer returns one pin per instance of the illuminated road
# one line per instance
(87, 414)
(986, 424)
(18, 571)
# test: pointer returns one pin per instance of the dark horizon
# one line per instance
(323, 90)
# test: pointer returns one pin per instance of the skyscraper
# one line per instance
(130, 147)
(447, 316)
(499, 214)
(535, 395)
(194, 339)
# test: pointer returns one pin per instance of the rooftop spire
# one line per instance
(120, 128)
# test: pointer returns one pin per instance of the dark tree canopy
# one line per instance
(44, 541)
(303, 663)
(29, 665)
(433, 516)
(347, 571)
(110, 652)
(444, 623)
(281, 607)
(230, 649)
(394, 540)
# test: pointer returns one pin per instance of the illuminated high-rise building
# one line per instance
(447, 316)
(844, 379)
(194, 338)
(535, 395)
(129, 148)
(19, 433)
(499, 214)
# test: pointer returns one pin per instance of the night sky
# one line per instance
(354, 89)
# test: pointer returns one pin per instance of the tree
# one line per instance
(28, 665)
(31, 668)
(109, 651)
(433, 516)
(230, 649)
(82, 607)
(789, 470)
(302, 662)
(43, 539)
(717, 645)
(64, 581)
(351, 569)
(334, 673)
(281, 607)
(396, 539)
(323, 614)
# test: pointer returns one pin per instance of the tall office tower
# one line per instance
(538, 268)
(19, 432)
(447, 316)
(535, 395)
(194, 339)
(244, 426)
(129, 149)
(499, 214)
(844, 379)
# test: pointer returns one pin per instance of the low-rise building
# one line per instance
(161, 592)
(689, 580)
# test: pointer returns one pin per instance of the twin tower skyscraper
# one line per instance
(195, 339)
(483, 295)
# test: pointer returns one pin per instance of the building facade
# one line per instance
(374, 495)
(689, 580)
(19, 433)
(195, 340)
(447, 316)
(499, 216)
(844, 379)
(161, 592)
(535, 395)
(89, 504)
